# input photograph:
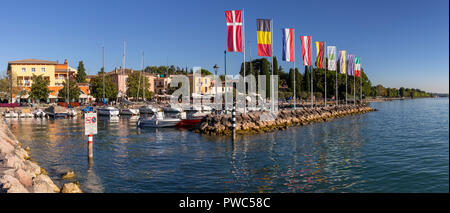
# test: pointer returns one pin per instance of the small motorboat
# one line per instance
(192, 119)
(25, 113)
(158, 121)
(71, 112)
(127, 111)
(10, 114)
(38, 113)
(87, 109)
(108, 111)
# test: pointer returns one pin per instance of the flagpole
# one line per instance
(360, 79)
(271, 53)
(225, 89)
(324, 64)
(346, 88)
(243, 49)
(337, 102)
(295, 73)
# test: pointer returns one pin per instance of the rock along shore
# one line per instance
(260, 122)
(18, 173)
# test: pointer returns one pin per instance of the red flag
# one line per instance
(306, 50)
(234, 30)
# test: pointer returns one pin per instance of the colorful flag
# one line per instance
(234, 30)
(319, 56)
(342, 62)
(357, 66)
(288, 44)
(351, 61)
(306, 50)
(331, 52)
(264, 33)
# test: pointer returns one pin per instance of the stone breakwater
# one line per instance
(259, 122)
(18, 173)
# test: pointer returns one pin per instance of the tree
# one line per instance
(97, 86)
(74, 91)
(39, 89)
(81, 73)
(133, 85)
(205, 72)
(402, 92)
(306, 80)
(5, 87)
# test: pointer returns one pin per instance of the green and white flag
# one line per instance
(331, 54)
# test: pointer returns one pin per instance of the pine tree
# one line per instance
(81, 73)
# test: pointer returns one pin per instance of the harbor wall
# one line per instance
(18, 172)
(257, 122)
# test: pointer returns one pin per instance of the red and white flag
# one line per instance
(234, 30)
(306, 50)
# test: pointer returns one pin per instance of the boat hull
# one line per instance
(108, 112)
(189, 122)
(155, 123)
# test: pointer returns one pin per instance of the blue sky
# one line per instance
(401, 43)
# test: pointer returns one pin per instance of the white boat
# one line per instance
(147, 110)
(38, 113)
(108, 111)
(71, 112)
(158, 121)
(10, 114)
(129, 111)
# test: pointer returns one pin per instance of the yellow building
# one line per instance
(200, 84)
(22, 71)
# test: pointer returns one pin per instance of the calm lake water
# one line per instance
(402, 147)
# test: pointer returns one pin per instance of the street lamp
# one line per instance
(215, 67)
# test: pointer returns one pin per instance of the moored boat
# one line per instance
(38, 113)
(128, 111)
(108, 111)
(192, 119)
(158, 121)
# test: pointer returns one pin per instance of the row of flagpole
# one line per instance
(236, 43)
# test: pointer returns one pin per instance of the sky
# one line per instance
(401, 43)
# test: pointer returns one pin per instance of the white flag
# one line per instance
(331, 54)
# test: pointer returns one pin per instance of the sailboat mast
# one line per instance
(143, 79)
(123, 57)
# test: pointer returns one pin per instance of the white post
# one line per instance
(243, 50)
(295, 73)
(346, 74)
(272, 96)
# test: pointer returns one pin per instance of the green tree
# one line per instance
(306, 84)
(74, 92)
(402, 92)
(81, 73)
(5, 87)
(133, 85)
(97, 87)
(39, 89)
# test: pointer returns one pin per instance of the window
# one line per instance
(43, 69)
(24, 69)
(33, 69)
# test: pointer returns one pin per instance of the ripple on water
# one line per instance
(402, 147)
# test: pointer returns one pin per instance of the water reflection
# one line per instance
(364, 153)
